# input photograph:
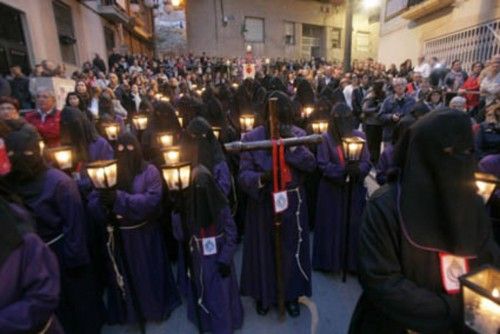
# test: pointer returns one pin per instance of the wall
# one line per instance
(401, 39)
(206, 33)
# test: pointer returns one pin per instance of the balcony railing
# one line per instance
(114, 10)
(413, 9)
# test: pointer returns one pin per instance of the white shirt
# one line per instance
(348, 95)
(424, 69)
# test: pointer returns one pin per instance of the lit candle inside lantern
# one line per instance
(319, 127)
(247, 122)
(235, 85)
(180, 119)
(102, 173)
(307, 111)
(171, 155)
(41, 144)
(194, 86)
(165, 99)
(158, 96)
(140, 121)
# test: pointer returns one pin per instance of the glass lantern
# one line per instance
(247, 122)
(481, 300)
(177, 176)
(216, 130)
(352, 148)
(41, 144)
(164, 99)
(307, 111)
(158, 96)
(62, 156)
(140, 122)
(171, 155)
(235, 85)
(486, 185)
(319, 127)
(111, 130)
(165, 139)
(102, 173)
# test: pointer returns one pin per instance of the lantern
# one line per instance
(319, 127)
(62, 156)
(246, 122)
(41, 144)
(158, 96)
(216, 130)
(481, 300)
(164, 99)
(140, 121)
(177, 176)
(180, 119)
(235, 85)
(111, 130)
(165, 139)
(486, 184)
(307, 111)
(102, 173)
(352, 148)
(199, 92)
(171, 155)
(194, 86)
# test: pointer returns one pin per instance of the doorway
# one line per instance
(13, 48)
(312, 41)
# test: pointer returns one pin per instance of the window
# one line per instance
(335, 37)
(109, 37)
(254, 29)
(64, 23)
(289, 33)
(362, 41)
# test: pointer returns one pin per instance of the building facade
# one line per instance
(71, 31)
(291, 29)
(468, 30)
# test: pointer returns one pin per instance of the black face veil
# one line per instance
(341, 122)
(206, 149)
(439, 208)
(24, 150)
(129, 159)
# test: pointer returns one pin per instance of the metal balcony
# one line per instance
(420, 8)
(114, 10)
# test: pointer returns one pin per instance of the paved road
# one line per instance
(335, 302)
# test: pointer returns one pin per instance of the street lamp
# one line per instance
(352, 148)
(111, 130)
(481, 300)
(171, 155)
(177, 176)
(319, 127)
(102, 173)
(486, 184)
(165, 139)
(140, 122)
(62, 156)
(247, 122)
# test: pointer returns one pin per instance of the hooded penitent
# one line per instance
(305, 93)
(206, 200)
(341, 122)
(213, 112)
(10, 237)
(163, 118)
(439, 208)
(206, 149)
(285, 113)
(129, 159)
(77, 132)
(25, 156)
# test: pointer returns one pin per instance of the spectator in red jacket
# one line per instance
(472, 85)
(46, 117)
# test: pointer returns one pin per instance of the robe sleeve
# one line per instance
(223, 177)
(387, 288)
(39, 286)
(138, 207)
(230, 234)
(300, 157)
(248, 177)
(331, 170)
(70, 207)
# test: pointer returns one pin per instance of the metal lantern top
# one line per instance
(352, 148)
(216, 130)
(102, 173)
(177, 175)
(62, 156)
(481, 299)
(486, 184)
